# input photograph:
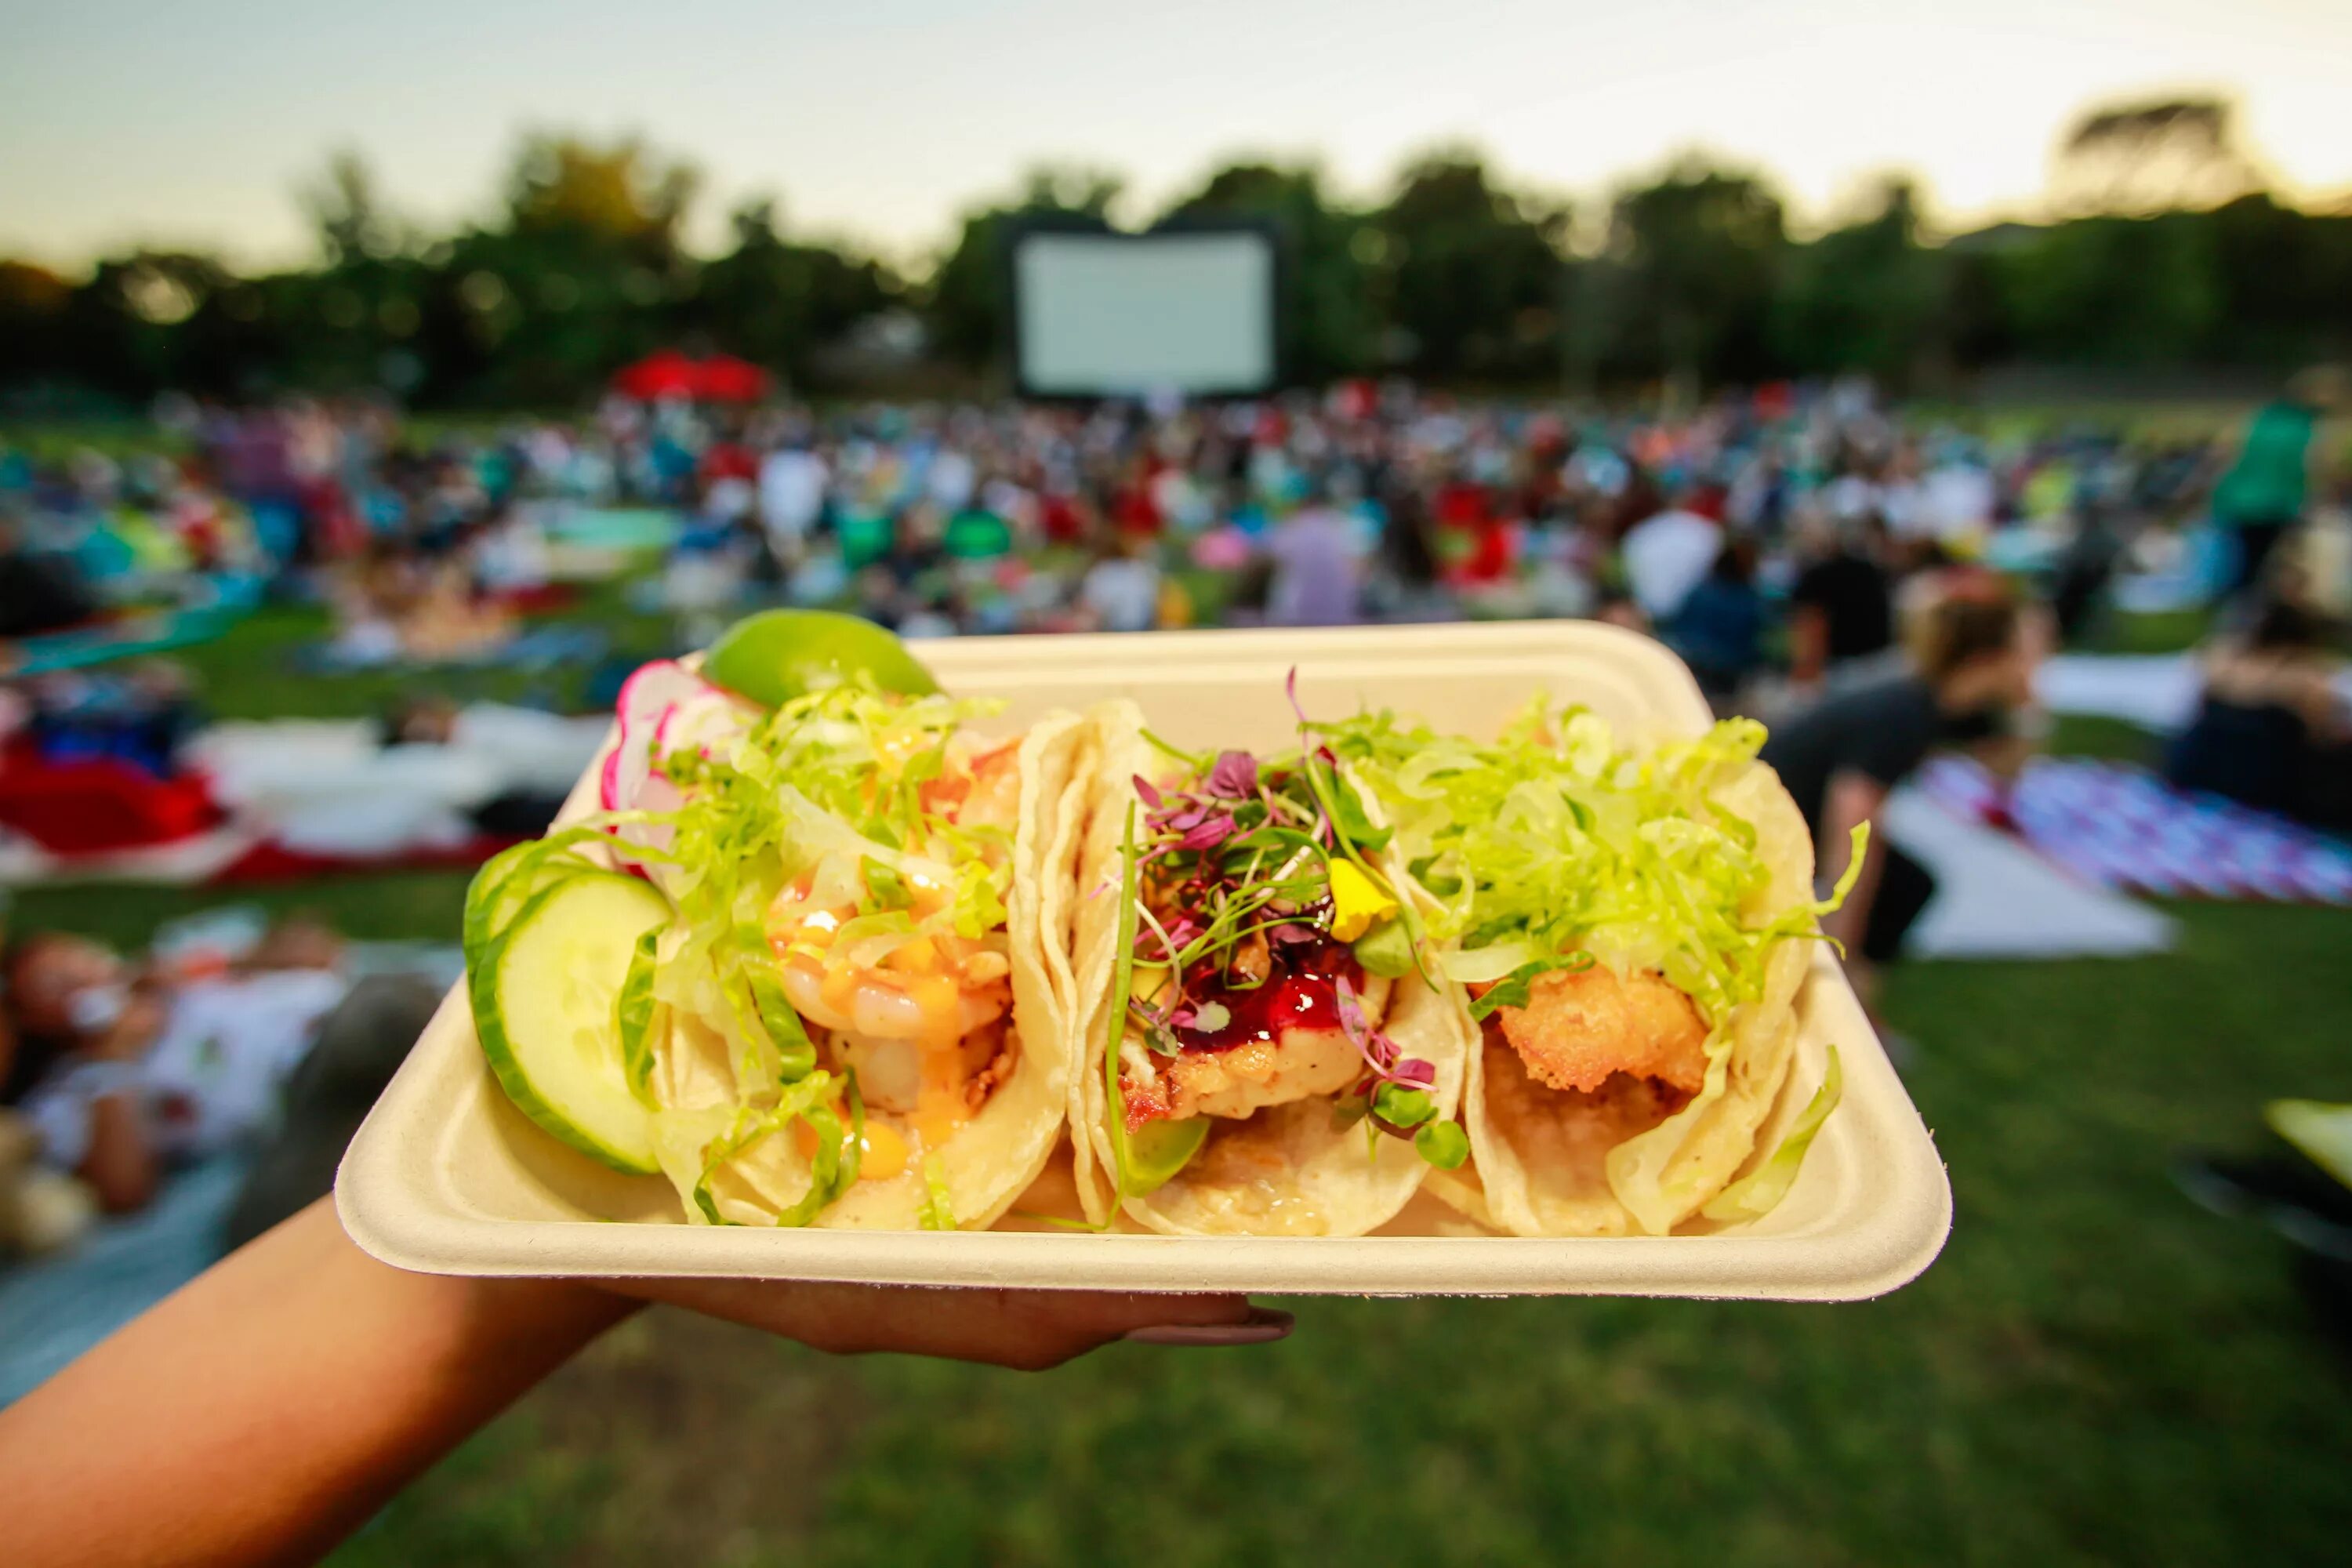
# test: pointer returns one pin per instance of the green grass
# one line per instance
(254, 673)
(385, 906)
(2096, 1372)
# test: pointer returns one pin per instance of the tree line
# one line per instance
(2167, 253)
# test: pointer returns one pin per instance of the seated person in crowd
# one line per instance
(1843, 606)
(1969, 675)
(2272, 730)
(1719, 630)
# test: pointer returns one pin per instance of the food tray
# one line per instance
(447, 1177)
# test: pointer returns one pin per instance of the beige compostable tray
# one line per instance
(447, 1177)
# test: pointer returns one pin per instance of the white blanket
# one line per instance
(1995, 897)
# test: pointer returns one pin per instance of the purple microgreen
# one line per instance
(1375, 1047)
(1150, 795)
(1207, 833)
(1211, 1018)
(1235, 777)
(1414, 1070)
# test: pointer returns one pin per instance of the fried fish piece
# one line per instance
(1580, 1025)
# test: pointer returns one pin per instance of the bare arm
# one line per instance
(119, 1164)
(272, 1405)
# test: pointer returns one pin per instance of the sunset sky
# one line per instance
(194, 125)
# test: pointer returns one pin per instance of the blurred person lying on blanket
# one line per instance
(125, 1072)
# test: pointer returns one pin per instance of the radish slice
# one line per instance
(651, 691)
(703, 718)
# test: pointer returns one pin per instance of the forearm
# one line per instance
(270, 1406)
(119, 1164)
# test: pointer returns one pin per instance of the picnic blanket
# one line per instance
(289, 798)
(211, 605)
(1996, 898)
(2123, 827)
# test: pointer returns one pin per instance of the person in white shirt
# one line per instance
(1667, 556)
(793, 481)
(1121, 590)
(143, 1072)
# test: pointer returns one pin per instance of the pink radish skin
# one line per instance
(651, 691)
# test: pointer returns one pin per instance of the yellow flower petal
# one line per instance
(1357, 901)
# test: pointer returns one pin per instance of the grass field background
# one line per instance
(2093, 1372)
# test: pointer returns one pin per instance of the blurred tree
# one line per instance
(621, 190)
(1695, 257)
(350, 217)
(964, 300)
(2143, 158)
(775, 301)
(1328, 326)
(37, 344)
(2114, 290)
(585, 273)
(1471, 277)
(1865, 296)
(582, 267)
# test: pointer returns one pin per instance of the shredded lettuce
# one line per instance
(826, 796)
(939, 1207)
(1555, 841)
(633, 1016)
(1555, 846)
(1759, 1192)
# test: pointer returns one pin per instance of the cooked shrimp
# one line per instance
(886, 1005)
(1579, 1027)
(978, 790)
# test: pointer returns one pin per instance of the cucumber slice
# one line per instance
(507, 881)
(546, 1005)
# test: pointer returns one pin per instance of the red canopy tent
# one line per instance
(722, 378)
(665, 374)
(725, 379)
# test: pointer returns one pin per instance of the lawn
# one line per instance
(2096, 1372)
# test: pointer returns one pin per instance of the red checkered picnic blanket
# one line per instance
(2123, 827)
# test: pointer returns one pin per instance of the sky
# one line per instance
(194, 125)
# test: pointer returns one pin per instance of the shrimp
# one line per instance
(885, 1004)
(1582, 1026)
(981, 790)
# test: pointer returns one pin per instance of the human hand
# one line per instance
(1026, 1329)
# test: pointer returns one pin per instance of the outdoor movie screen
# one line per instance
(1101, 315)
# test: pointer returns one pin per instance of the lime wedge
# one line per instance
(777, 655)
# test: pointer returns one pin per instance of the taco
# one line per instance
(1626, 932)
(847, 1019)
(1257, 1053)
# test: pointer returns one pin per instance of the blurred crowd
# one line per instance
(1763, 530)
